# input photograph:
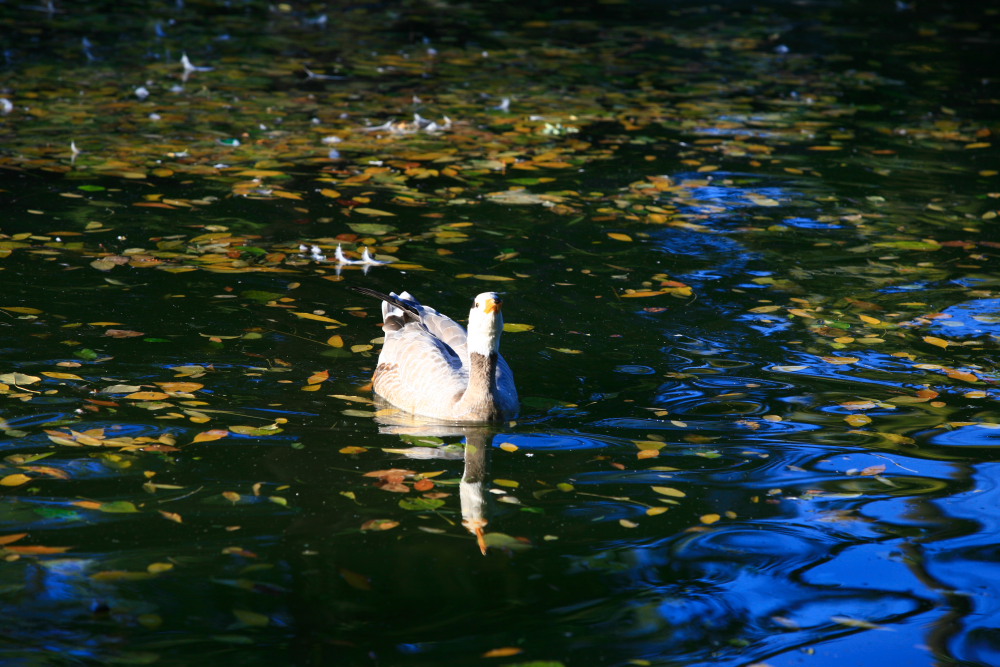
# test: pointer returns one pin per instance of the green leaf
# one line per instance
(260, 295)
(421, 504)
(91, 188)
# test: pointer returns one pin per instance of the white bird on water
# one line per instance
(430, 366)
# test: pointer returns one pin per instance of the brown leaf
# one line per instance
(123, 333)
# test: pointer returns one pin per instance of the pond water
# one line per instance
(751, 291)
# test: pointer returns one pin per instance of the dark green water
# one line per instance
(749, 253)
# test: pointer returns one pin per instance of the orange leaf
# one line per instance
(185, 387)
(37, 550)
(13, 537)
(318, 377)
(214, 434)
(503, 652)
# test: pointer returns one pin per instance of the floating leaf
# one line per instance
(61, 376)
(503, 652)
(24, 310)
(180, 387)
(251, 618)
(372, 211)
(619, 236)
(858, 420)
(208, 436)
(19, 378)
(318, 318)
(933, 340)
(255, 430)
(421, 504)
(16, 479)
(147, 396)
(669, 491)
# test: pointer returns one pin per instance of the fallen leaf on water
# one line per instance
(503, 652)
(251, 618)
(356, 580)
(317, 377)
(16, 479)
(214, 434)
(123, 333)
(148, 396)
(873, 470)
(318, 318)
(379, 524)
(934, 340)
(61, 376)
(619, 237)
(669, 491)
(840, 360)
(181, 387)
(19, 378)
(24, 310)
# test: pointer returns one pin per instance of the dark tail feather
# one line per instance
(367, 291)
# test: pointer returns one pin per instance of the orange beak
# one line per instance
(492, 305)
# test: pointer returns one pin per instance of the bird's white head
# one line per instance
(485, 324)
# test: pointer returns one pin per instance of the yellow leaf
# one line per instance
(337, 341)
(933, 340)
(858, 420)
(61, 376)
(653, 511)
(482, 276)
(669, 491)
(214, 434)
(284, 194)
(332, 194)
(869, 320)
(619, 237)
(17, 479)
(318, 318)
(840, 360)
(148, 396)
(318, 376)
(311, 387)
(709, 519)
(182, 387)
(508, 446)
(372, 211)
(512, 327)
(24, 310)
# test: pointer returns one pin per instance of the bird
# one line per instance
(431, 367)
